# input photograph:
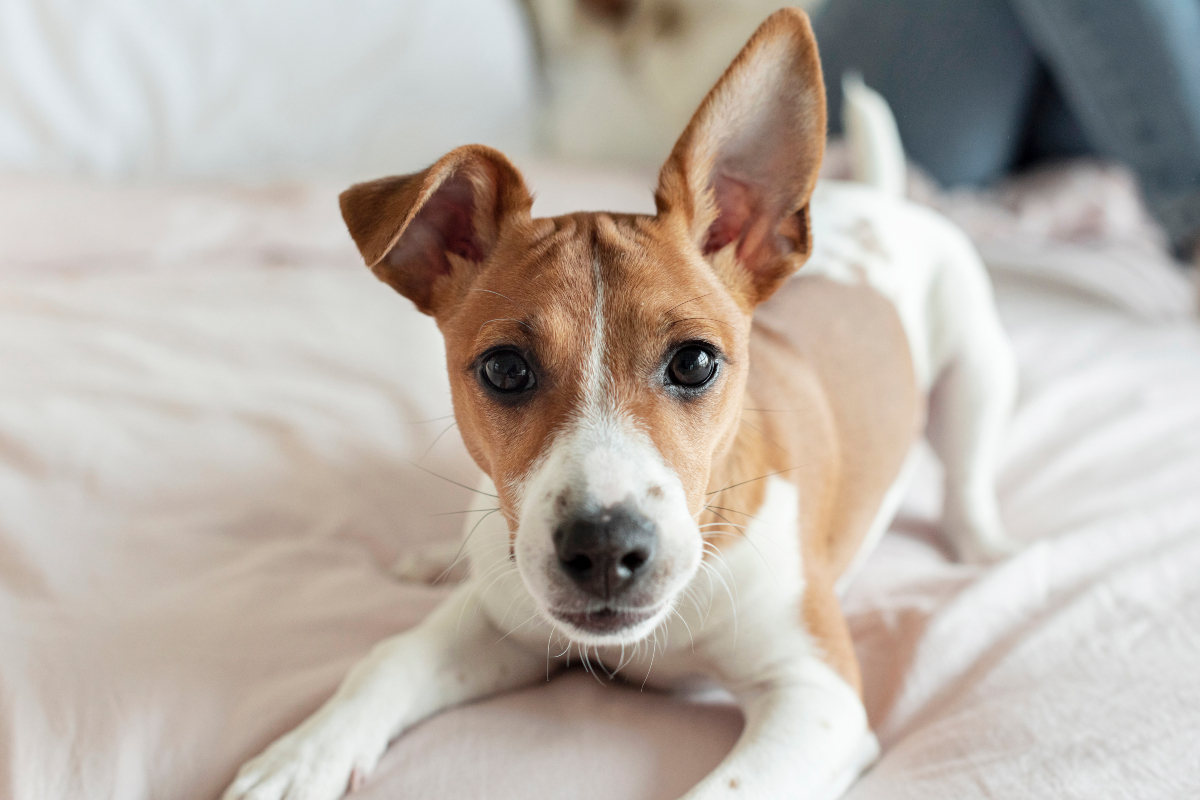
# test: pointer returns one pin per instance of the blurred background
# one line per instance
(145, 90)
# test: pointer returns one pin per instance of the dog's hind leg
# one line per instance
(970, 406)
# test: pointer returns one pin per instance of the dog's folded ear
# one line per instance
(741, 174)
(427, 234)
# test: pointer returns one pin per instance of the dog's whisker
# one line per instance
(621, 662)
(685, 302)
(506, 297)
(437, 439)
(725, 519)
(516, 596)
(675, 611)
(730, 592)
(451, 480)
(522, 625)
(587, 664)
(426, 421)
(762, 433)
(503, 546)
(504, 319)
(464, 511)
(748, 540)
(706, 319)
(694, 596)
(653, 652)
(603, 666)
(752, 480)
(503, 574)
(711, 594)
(496, 569)
(736, 511)
(462, 548)
(478, 594)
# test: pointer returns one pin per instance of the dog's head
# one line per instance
(598, 361)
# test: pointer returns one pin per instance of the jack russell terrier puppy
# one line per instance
(681, 475)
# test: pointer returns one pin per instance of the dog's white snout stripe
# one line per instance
(612, 477)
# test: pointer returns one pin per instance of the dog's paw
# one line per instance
(437, 563)
(320, 760)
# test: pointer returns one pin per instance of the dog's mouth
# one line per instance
(606, 619)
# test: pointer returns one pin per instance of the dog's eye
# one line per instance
(692, 366)
(507, 372)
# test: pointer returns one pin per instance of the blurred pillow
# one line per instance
(258, 88)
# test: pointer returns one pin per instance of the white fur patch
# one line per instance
(600, 463)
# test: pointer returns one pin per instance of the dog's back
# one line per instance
(866, 234)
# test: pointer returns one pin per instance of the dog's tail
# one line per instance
(876, 154)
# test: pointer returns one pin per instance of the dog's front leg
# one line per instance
(806, 737)
(454, 656)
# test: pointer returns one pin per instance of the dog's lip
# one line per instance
(606, 619)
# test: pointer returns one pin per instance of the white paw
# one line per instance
(433, 564)
(320, 760)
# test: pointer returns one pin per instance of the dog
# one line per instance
(688, 451)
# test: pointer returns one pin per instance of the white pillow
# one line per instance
(258, 88)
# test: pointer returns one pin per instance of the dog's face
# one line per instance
(598, 361)
(595, 376)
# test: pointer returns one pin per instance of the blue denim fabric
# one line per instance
(959, 75)
(980, 87)
(1130, 73)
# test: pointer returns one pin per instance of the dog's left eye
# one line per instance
(692, 366)
(507, 372)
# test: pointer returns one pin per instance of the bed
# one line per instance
(218, 432)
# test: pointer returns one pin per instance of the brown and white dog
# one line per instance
(682, 474)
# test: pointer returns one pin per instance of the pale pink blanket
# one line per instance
(207, 412)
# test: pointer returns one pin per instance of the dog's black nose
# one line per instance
(607, 551)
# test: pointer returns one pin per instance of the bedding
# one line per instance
(217, 431)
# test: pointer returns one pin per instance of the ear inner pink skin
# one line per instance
(444, 224)
(737, 206)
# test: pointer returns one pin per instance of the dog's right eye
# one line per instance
(507, 372)
(692, 367)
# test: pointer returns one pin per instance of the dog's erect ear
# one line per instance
(741, 174)
(426, 234)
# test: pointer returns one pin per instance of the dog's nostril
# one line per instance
(634, 561)
(579, 563)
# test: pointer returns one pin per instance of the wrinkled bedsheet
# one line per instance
(217, 431)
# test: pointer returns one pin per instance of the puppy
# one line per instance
(680, 474)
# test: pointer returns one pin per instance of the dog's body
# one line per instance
(655, 509)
